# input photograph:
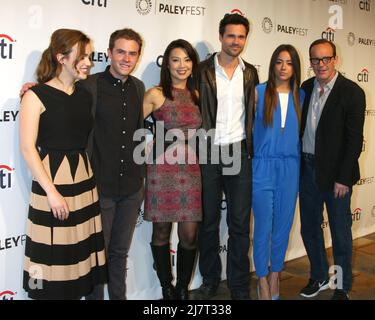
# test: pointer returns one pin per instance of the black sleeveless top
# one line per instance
(67, 120)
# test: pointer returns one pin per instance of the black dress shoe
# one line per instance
(207, 291)
(168, 293)
(239, 295)
(181, 293)
(340, 295)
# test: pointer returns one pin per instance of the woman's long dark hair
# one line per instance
(165, 76)
(270, 98)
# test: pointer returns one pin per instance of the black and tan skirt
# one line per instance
(64, 259)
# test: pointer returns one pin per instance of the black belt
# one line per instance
(66, 151)
(308, 156)
(230, 145)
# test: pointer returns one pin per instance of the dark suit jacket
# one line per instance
(339, 135)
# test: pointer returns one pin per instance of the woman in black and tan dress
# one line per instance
(64, 255)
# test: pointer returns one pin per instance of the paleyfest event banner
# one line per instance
(25, 30)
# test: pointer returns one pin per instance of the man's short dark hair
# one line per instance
(128, 34)
(233, 18)
(323, 41)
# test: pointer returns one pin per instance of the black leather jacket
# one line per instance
(208, 97)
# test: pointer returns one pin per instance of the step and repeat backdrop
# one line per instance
(25, 29)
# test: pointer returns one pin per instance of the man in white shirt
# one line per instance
(227, 95)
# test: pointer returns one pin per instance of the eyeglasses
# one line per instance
(325, 60)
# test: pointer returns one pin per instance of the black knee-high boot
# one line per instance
(185, 266)
(163, 266)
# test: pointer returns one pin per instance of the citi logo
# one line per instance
(329, 34)
(365, 5)
(5, 176)
(6, 46)
(356, 215)
(238, 11)
(7, 295)
(363, 76)
(97, 3)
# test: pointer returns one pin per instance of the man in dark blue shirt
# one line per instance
(118, 112)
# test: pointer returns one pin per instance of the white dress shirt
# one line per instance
(230, 119)
(317, 102)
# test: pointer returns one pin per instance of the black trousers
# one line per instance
(119, 217)
(311, 201)
(238, 193)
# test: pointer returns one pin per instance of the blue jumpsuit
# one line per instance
(276, 165)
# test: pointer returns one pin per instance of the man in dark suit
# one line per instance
(332, 137)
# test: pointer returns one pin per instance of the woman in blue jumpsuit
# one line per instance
(276, 166)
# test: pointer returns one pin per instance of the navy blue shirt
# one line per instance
(117, 118)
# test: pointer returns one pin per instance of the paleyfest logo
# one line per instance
(351, 39)
(361, 40)
(364, 181)
(267, 25)
(370, 112)
(143, 6)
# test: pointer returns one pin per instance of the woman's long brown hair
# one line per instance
(271, 97)
(62, 41)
